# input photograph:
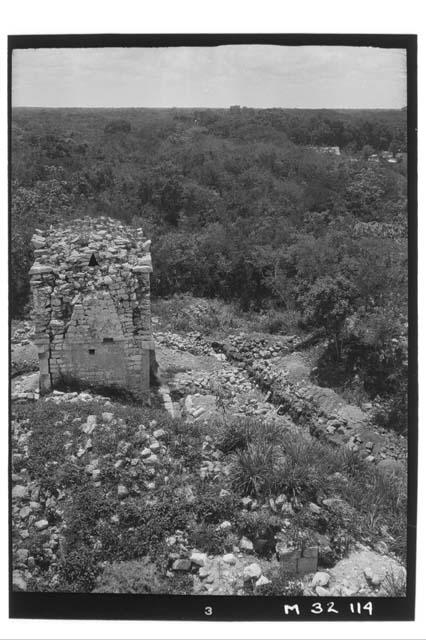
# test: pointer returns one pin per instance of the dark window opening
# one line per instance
(93, 262)
(108, 340)
(92, 352)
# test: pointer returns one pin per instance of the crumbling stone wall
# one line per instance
(91, 305)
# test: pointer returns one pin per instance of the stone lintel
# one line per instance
(142, 268)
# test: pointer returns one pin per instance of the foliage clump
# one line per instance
(133, 576)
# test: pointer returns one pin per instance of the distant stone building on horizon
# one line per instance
(334, 151)
(90, 284)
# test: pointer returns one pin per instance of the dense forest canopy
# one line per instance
(240, 203)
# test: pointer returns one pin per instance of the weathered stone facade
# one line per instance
(91, 298)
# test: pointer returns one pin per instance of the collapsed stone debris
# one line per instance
(91, 292)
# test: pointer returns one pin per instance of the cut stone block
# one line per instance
(307, 565)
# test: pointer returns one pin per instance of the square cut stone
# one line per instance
(285, 553)
(307, 565)
(289, 566)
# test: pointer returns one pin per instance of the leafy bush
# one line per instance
(208, 538)
(260, 527)
(233, 435)
(374, 357)
(393, 414)
(394, 584)
(78, 570)
(277, 321)
(89, 505)
(328, 303)
(179, 584)
(281, 584)
(252, 469)
(118, 126)
(302, 468)
(151, 523)
(212, 508)
(134, 576)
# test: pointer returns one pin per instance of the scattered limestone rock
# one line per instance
(389, 466)
(203, 572)
(20, 492)
(122, 491)
(320, 579)
(381, 547)
(24, 512)
(181, 564)
(252, 571)
(360, 568)
(18, 581)
(262, 581)
(246, 502)
(90, 425)
(22, 555)
(198, 558)
(314, 508)
(246, 545)
(373, 578)
(229, 558)
(322, 592)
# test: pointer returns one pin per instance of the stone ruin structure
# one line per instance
(91, 302)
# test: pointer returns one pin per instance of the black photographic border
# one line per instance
(89, 606)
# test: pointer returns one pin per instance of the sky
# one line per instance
(247, 75)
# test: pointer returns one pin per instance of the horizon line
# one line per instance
(203, 107)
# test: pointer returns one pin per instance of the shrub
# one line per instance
(394, 411)
(374, 359)
(212, 508)
(134, 576)
(235, 435)
(253, 468)
(328, 302)
(302, 469)
(276, 321)
(117, 126)
(394, 584)
(78, 570)
(260, 527)
(184, 312)
(350, 464)
(380, 500)
(185, 446)
(281, 584)
(46, 444)
(89, 505)
(143, 527)
(179, 584)
(208, 538)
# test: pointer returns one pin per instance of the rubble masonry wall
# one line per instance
(91, 299)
